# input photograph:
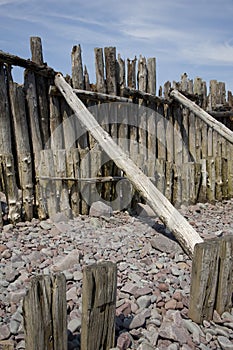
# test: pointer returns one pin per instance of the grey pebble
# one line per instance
(144, 301)
(74, 325)
(225, 343)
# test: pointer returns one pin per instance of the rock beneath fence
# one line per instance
(99, 209)
(165, 244)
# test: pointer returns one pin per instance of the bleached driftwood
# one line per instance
(207, 118)
(175, 222)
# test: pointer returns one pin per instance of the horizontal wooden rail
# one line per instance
(92, 95)
(221, 114)
(126, 91)
(43, 70)
(92, 179)
(207, 118)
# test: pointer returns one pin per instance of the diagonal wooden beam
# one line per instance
(207, 118)
(175, 222)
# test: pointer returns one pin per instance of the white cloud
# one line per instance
(210, 53)
(10, 2)
(5, 2)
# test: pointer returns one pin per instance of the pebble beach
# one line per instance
(153, 275)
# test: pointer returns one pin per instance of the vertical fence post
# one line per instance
(211, 283)
(44, 309)
(225, 280)
(98, 306)
(1, 220)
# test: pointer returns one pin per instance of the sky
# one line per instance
(185, 36)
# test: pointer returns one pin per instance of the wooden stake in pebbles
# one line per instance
(44, 309)
(98, 306)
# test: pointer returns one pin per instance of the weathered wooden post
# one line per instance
(1, 221)
(44, 309)
(98, 306)
(211, 283)
(24, 157)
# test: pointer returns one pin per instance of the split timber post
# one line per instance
(175, 222)
(99, 306)
(45, 313)
(1, 222)
(212, 279)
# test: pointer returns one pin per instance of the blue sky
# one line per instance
(195, 37)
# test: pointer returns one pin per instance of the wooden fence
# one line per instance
(49, 163)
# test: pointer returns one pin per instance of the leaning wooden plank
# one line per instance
(182, 230)
(217, 126)
(98, 306)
